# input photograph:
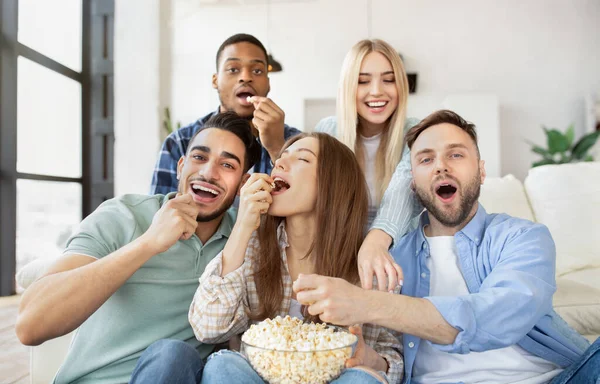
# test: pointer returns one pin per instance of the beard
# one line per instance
(227, 203)
(206, 217)
(453, 218)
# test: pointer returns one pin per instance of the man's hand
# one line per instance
(255, 199)
(268, 120)
(365, 355)
(375, 260)
(176, 220)
(334, 300)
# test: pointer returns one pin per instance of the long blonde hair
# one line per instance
(391, 145)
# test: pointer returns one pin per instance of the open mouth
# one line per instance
(446, 191)
(280, 185)
(243, 95)
(204, 192)
(376, 106)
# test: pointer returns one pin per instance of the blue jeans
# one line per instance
(168, 361)
(225, 367)
(584, 371)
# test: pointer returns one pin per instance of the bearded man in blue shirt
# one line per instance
(476, 305)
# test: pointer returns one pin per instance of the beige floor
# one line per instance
(14, 357)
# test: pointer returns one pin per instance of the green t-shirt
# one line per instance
(152, 305)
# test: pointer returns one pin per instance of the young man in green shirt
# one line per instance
(128, 276)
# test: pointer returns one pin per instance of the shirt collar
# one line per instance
(473, 230)
(282, 237)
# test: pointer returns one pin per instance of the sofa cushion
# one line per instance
(505, 195)
(566, 198)
(577, 301)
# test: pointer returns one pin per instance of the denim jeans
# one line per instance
(584, 371)
(168, 361)
(225, 367)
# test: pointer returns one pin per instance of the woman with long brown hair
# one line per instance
(316, 203)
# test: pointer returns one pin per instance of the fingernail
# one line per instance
(401, 282)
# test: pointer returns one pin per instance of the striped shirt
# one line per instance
(164, 178)
(220, 307)
(399, 205)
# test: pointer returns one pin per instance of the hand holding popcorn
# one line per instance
(334, 300)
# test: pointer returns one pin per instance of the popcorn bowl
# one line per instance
(305, 364)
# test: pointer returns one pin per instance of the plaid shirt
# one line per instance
(219, 309)
(164, 178)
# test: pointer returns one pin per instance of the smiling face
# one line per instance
(295, 176)
(242, 72)
(447, 173)
(377, 95)
(211, 171)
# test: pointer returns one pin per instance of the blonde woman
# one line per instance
(371, 120)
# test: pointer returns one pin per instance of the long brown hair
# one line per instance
(341, 219)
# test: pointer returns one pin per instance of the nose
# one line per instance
(245, 75)
(441, 166)
(210, 171)
(375, 89)
(281, 164)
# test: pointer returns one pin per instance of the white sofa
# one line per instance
(566, 198)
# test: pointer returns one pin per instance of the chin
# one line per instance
(278, 211)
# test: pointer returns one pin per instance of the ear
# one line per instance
(180, 166)
(412, 184)
(245, 178)
(482, 170)
(214, 81)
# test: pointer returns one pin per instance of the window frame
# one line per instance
(97, 126)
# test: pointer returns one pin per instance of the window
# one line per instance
(56, 124)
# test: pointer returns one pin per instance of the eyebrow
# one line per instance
(382, 73)
(302, 150)
(255, 61)
(225, 154)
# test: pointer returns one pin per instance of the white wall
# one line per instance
(540, 57)
(138, 85)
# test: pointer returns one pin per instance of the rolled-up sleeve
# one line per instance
(399, 204)
(512, 298)
(389, 348)
(218, 310)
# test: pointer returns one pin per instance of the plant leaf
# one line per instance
(589, 158)
(570, 134)
(542, 162)
(584, 144)
(557, 142)
(540, 151)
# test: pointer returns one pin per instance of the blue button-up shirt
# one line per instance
(164, 178)
(508, 265)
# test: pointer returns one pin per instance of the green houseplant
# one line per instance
(562, 147)
(167, 122)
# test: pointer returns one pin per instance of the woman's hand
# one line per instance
(364, 355)
(255, 199)
(375, 260)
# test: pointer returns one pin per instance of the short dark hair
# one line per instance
(241, 38)
(231, 122)
(440, 117)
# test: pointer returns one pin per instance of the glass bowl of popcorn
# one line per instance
(287, 350)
